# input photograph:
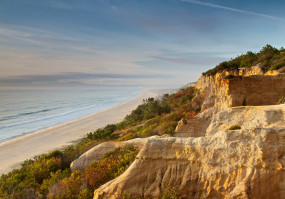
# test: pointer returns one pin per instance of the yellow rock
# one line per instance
(245, 163)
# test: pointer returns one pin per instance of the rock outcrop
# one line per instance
(249, 117)
(208, 160)
(195, 127)
(231, 88)
(244, 163)
(246, 87)
(98, 152)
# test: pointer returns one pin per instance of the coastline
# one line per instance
(16, 150)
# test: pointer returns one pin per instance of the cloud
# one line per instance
(43, 38)
(79, 79)
(233, 9)
(190, 60)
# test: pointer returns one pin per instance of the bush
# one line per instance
(103, 134)
(234, 127)
(270, 58)
(281, 100)
(149, 109)
(83, 184)
(30, 176)
(229, 77)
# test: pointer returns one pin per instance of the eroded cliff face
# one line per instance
(245, 163)
(206, 159)
(249, 86)
(255, 90)
(195, 127)
(246, 87)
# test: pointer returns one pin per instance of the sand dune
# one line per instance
(14, 152)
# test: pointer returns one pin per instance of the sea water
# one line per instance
(29, 110)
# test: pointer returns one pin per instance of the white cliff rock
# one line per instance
(195, 127)
(245, 163)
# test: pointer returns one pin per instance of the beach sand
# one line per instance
(13, 152)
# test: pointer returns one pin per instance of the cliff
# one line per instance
(249, 86)
(208, 160)
(245, 163)
(231, 88)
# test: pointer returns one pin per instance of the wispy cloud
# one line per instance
(42, 38)
(189, 60)
(233, 9)
(70, 79)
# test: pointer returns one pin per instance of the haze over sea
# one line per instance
(28, 110)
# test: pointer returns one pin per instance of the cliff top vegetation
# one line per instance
(269, 57)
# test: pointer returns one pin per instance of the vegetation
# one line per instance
(235, 127)
(46, 177)
(229, 77)
(83, 184)
(29, 180)
(281, 100)
(269, 57)
(49, 176)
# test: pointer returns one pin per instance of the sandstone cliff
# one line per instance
(245, 163)
(208, 160)
(249, 86)
(243, 87)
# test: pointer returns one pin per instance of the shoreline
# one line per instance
(16, 150)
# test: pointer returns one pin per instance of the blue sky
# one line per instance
(145, 43)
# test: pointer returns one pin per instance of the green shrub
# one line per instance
(103, 133)
(171, 191)
(229, 77)
(170, 128)
(149, 109)
(30, 176)
(126, 137)
(82, 184)
(234, 127)
(270, 58)
(281, 100)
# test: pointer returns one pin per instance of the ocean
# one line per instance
(30, 110)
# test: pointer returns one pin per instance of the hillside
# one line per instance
(215, 139)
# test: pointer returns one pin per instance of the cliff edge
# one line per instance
(234, 148)
(244, 163)
(232, 88)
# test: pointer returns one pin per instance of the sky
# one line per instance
(129, 43)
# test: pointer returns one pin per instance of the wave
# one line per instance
(46, 118)
(25, 114)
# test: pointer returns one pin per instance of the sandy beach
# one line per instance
(13, 152)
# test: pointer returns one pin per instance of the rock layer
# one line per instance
(245, 163)
(195, 127)
(246, 87)
(98, 152)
